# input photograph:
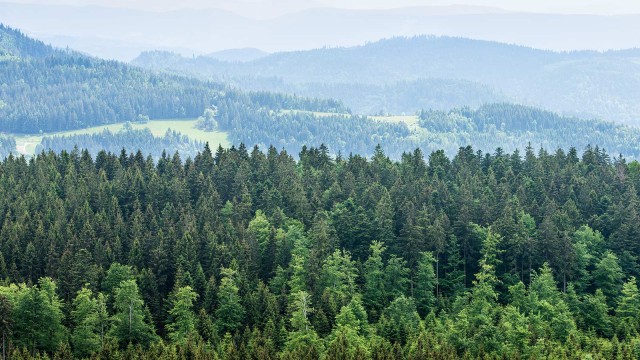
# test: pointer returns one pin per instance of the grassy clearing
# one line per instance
(410, 120)
(26, 144)
(314, 113)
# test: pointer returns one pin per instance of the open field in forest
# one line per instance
(410, 120)
(26, 144)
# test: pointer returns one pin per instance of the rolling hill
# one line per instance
(46, 89)
(579, 83)
(118, 33)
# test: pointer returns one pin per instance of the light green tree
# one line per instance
(628, 310)
(230, 313)
(338, 278)
(183, 319)
(608, 277)
(38, 317)
(85, 337)
(425, 286)
(130, 323)
(303, 342)
(373, 295)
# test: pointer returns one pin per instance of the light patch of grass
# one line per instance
(314, 113)
(410, 120)
(26, 144)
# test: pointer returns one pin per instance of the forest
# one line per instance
(129, 140)
(444, 70)
(243, 254)
(490, 126)
(47, 90)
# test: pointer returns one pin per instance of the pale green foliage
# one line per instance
(399, 321)
(183, 324)
(302, 337)
(546, 305)
(373, 294)
(230, 313)
(596, 314)
(116, 274)
(628, 310)
(85, 337)
(338, 278)
(348, 338)
(260, 229)
(130, 324)
(425, 283)
(38, 317)
(608, 276)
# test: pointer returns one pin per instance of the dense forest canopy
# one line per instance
(238, 254)
(129, 140)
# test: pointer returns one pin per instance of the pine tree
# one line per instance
(230, 313)
(130, 322)
(373, 294)
(426, 281)
(183, 321)
(85, 337)
(628, 310)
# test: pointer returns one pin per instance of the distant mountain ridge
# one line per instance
(238, 55)
(580, 83)
(124, 33)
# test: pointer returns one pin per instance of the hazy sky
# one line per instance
(262, 8)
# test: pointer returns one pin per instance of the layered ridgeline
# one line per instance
(129, 141)
(505, 126)
(584, 83)
(46, 89)
(238, 254)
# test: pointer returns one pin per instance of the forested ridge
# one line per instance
(511, 127)
(443, 70)
(127, 139)
(46, 90)
(240, 254)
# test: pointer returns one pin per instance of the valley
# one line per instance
(328, 184)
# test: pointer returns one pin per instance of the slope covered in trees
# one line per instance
(7, 145)
(238, 255)
(129, 140)
(52, 90)
(504, 126)
(510, 127)
(583, 83)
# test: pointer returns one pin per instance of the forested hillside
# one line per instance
(52, 90)
(392, 98)
(238, 254)
(583, 83)
(492, 126)
(128, 140)
(511, 127)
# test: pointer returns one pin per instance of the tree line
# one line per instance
(512, 126)
(244, 254)
(127, 139)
